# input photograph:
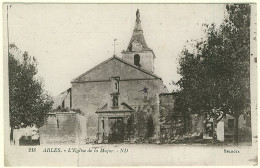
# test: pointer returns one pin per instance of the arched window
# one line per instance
(115, 101)
(116, 86)
(137, 60)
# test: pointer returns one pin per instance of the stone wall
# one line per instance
(172, 123)
(64, 128)
(146, 59)
(149, 113)
(166, 107)
(90, 96)
(244, 126)
(114, 67)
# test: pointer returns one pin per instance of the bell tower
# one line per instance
(137, 52)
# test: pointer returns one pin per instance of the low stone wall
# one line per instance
(64, 128)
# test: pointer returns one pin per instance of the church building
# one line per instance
(111, 91)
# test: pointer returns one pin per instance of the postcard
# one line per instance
(130, 84)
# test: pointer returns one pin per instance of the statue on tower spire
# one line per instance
(137, 16)
(137, 34)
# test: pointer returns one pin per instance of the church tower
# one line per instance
(138, 53)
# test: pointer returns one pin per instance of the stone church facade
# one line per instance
(111, 91)
(118, 90)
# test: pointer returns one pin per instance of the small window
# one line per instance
(137, 60)
(231, 123)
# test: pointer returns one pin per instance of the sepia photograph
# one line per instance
(130, 84)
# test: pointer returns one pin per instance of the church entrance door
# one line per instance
(117, 130)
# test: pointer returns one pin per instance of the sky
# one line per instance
(69, 39)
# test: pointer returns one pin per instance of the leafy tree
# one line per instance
(28, 102)
(130, 127)
(215, 75)
(140, 124)
(181, 108)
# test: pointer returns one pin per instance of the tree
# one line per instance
(181, 108)
(28, 102)
(140, 124)
(215, 75)
(130, 127)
